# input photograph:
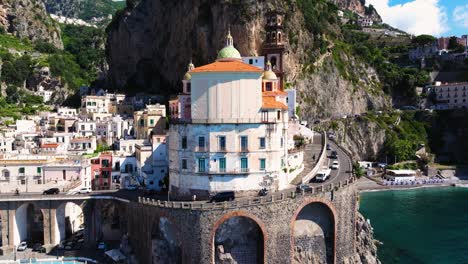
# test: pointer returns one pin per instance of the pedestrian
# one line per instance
(194, 197)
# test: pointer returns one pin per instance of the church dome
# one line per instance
(229, 52)
(187, 76)
(268, 74)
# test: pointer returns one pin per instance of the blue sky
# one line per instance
(435, 17)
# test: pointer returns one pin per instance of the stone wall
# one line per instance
(197, 229)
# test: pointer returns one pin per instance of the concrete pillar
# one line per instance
(8, 218)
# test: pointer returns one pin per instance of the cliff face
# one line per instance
(29, 19)
(366, 245)
(83, 9)
(358, 7)
(150, 45)
(362, 138)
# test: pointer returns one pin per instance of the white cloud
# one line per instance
(460, 15)
(415, 17)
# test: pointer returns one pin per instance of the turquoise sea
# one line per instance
(421, 226)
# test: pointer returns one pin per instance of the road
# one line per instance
(343, 172)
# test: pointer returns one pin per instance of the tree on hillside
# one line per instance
(422, 40)
(454, 45)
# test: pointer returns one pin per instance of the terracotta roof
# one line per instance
(49, 145)
(276, 93)
(227, 66)
(270, 102)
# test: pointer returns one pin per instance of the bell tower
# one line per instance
(273, 48)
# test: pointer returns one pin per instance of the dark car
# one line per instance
(303, 187)
(334, 154)
(222, 197)
(38, 247)
(263, 192)
(52, 191)
(328, 147)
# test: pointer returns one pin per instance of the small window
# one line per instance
(189, 87)
(201, 165)
(222, 143)
(250, 61)
(222, 164)
(39, 170)
(278, 115)
(201, 142)
(21, 170)
(262, 143)
(269, 87)
(244, 143)
(184, 164)
(151, 121)
(244, 165)
(281, 142)
(262, 164)
(184, 142)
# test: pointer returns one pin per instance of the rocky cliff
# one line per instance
(361, 137)
(83, 9)
(150, 45)
(358, 7)
(366, 245)
(28, 19)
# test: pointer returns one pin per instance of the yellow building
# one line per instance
(150, 121)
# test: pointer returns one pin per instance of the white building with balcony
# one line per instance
(236, 136)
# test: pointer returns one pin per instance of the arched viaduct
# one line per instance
(49, 220)
(314, 227)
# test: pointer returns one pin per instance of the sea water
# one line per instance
(420, 226)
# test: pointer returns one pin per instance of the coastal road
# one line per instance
(343, 172)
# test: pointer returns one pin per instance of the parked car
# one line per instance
(38, 247)
(263, 192)
(223, 196)
(303, 187)
(335, 165)
(22, 246)
(51, 191)
(84, 190)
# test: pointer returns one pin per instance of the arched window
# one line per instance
(6, 175)
(273, 62)
(279, 37)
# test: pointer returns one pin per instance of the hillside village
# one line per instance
(244, 103)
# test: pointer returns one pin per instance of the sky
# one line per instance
(433, 17)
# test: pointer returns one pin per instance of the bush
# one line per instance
(45, 47)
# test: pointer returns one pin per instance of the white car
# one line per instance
(84, 190)
(335, 165)
(22, 246)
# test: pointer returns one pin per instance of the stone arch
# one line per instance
(28, 224)
(313, 232)
(165, 243)
(238, 236)
(69, 220)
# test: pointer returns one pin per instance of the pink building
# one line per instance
(101, 171)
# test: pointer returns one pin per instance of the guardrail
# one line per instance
(322, 156)
(251, 201)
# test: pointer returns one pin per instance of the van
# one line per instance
(222, 197)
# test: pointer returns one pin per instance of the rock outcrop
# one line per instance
(358, 7)
(150, 45)
(361, 137)
(87, 10)
(28, 19)
(366, 245)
